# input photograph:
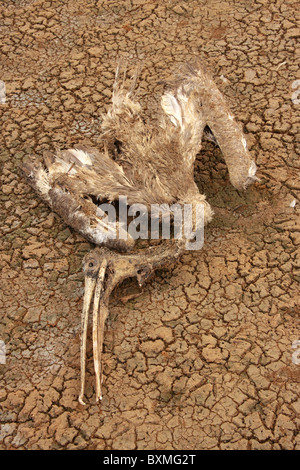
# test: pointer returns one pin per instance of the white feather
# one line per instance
(245, 145)
(252, 170)
(82, 156)
(189, 115)
(172, 108)
(42, 182)
(61, 166)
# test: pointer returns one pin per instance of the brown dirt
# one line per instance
(204, 358)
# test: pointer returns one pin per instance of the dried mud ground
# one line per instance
(207, 357)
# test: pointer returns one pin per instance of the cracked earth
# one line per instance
(207, 356)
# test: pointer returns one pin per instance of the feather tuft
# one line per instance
(82, 156)
(172, 108)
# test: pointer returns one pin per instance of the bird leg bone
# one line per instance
(103, 270)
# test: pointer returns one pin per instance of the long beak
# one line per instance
(88, 293)
(99, 317)
(103, 271)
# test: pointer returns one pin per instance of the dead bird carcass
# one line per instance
(146, 164)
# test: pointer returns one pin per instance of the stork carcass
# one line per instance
(146, 164)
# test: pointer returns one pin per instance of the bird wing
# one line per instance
(147, 168)
(194, 101)
(183, 120)
(157, 158)
(147, 164)
(149, 156)
(68, 183)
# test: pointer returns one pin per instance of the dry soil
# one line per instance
(207, 357)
